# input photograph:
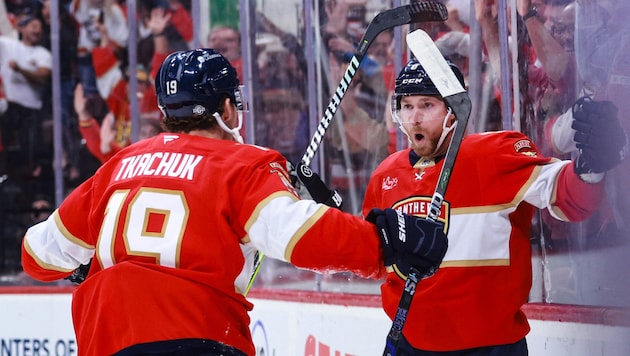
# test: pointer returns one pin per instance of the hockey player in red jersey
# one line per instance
(472, 304)
(173, 224)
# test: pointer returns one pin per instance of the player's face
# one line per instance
(422, 117)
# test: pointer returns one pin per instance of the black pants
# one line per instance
(518, 348)
(181, 347)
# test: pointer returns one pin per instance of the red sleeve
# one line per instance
(76, 210)
(103, 59)
(182, 21)
(91, 133)
(118, 101)
(33, 269)
(326, 246)
(328, 240)
(576, 199)
(70, 220)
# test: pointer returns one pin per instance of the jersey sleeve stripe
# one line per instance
(53, 249)
(67, 234)
(279, 221)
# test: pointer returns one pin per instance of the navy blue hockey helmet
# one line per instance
(192, 83)
(414, 80)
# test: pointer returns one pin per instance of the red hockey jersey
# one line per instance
(173, 223)
(475, 297)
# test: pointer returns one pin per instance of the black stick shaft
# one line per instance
(416, 12)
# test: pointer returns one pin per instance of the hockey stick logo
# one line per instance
(306, 171)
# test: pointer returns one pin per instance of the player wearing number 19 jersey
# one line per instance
(173, 223)
(184, 214)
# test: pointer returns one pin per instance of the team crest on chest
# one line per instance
(420, 206)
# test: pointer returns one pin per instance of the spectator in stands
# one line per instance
(106, 138)
(289, 54)
(41, 208)
(97, 17)
(101, 138)
(7, 23)
(361, 142)
(382, 52)
(68, 38)
(181, 21)
(550, 64)
(602, 48)
(25, 67)
(285, 122)
(176, 31)
(456, 46)
(227, 40)
(98, 125)
(553, 70)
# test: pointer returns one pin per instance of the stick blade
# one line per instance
(427, 11)
(452, 91)
(433, 62)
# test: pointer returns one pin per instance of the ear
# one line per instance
(451, 118)
(228, 110)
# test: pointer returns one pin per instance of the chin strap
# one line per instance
(235, 132)
(445, 130)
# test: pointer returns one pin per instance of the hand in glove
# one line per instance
(409, 241)
(310, 186)
(80, 274)
(598, 136)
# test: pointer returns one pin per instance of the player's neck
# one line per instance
(216, 134)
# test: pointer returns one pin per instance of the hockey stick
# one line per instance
(433, 62)
(417, 12)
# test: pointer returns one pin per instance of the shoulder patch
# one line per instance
(283, 174)
(522, 144)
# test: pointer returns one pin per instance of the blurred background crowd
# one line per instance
(77, 89)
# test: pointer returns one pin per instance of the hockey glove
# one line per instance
(310, 186)
(78, 275)
(409, 241)
(601, 141)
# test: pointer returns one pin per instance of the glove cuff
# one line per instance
(592, 178)
(584, 172)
